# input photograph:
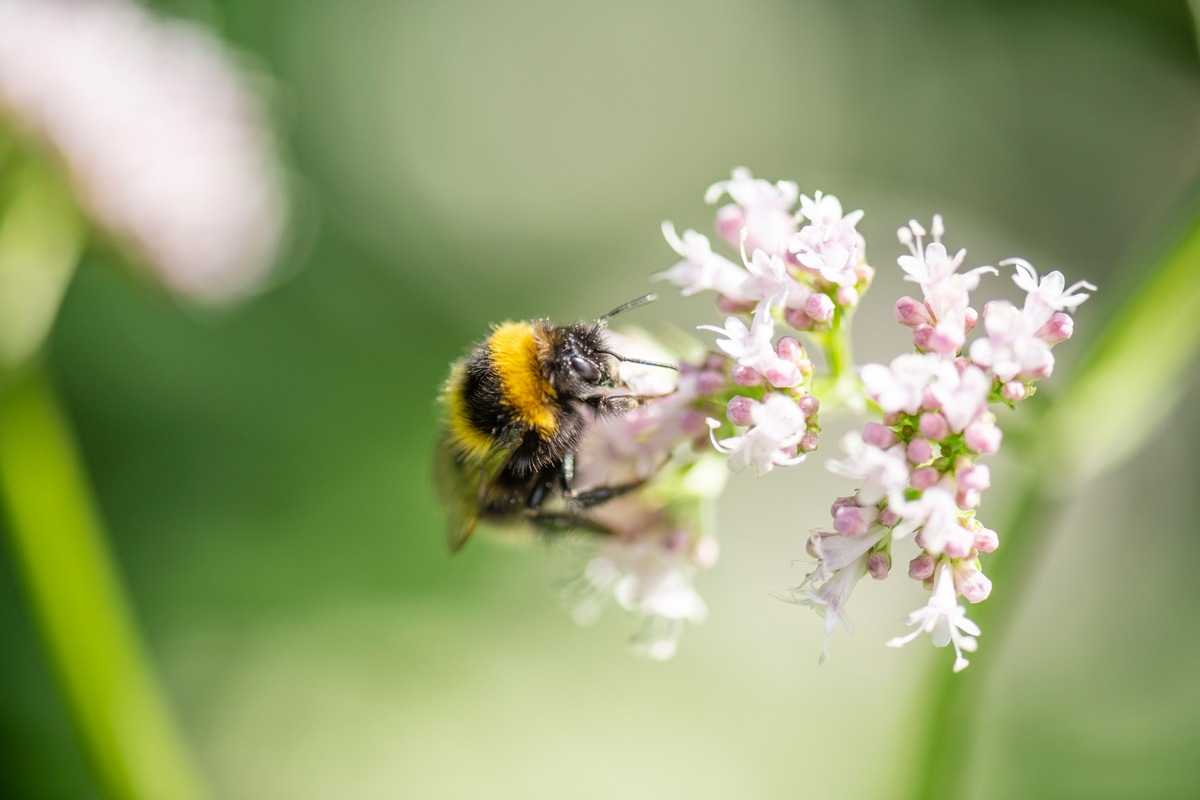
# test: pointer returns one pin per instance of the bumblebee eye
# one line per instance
(585, 369)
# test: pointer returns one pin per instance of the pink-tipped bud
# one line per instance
(959, 542)
(893, 418)
(864, 273)
(976, 477)
(879, 564)
(842, 502)
(922, 334)
(730, 220)
(784, 376)
(972, 584)
(929, 401)
(924, 478)
(738, 410)
(946, 342)
(709, 382)
(911, 312)
(790, 348)
(1057, 329)
(983, 437)
(921, 568)
(889, 518)
(798, 319)
(809, 441)
(677, 540)
(934, 427)
(972, 319)
(746, 376)
(819, 307)
(920, 451)
(967, 499)
(879, 436)
(986, 540)
(961, 363)
(809, 405)
(715, 362)
(847, 296)
(1014, 391)
(853, 522)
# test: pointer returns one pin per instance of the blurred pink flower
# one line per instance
(163, 136)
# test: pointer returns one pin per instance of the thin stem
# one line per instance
(82, 613)
(837, 389)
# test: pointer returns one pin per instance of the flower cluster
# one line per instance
(917, 468)
(801, 271)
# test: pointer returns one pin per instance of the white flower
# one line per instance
(768, 281)
(700, 268)
(836, 552)
(163, 138)
(883, 473)
(761, 209)
(829, 599)
(831, 245)
(962, 396)
(777, 425)
(1012, 347)
(944, 620)
(752, 347)
(901, 385)
(1048, 295)
(935, 512)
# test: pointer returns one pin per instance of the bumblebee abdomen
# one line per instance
(498, 389)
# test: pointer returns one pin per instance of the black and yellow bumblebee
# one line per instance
(515, 410)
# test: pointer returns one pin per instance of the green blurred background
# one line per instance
(265, 473)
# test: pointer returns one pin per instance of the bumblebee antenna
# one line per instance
(639, 360)
(621, 309)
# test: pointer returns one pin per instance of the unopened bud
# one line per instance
(1057, 329)
(809, 405)
(746, 376)
(1014, 391)
(933, 426)
(798, 319)
(912, 312)
(847, 296)
(983, 437)
(972, 319)
(878, 435)
(921, 568)
(809, 441)
(924, 478)
(879, 564)
(738, 410)
(920, 451)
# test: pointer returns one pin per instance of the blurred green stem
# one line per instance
(82, 613)
(1130, 382)
(841, 385)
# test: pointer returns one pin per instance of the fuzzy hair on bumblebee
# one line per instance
(514, 412)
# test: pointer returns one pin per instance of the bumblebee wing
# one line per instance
(463, 485)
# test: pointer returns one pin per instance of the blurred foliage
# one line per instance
(265, 473)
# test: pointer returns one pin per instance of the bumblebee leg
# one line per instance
(565, 521)
(602, 494)
(541, 488)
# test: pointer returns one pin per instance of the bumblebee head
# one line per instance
(576, 358)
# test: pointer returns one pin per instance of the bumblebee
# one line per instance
(515, 410)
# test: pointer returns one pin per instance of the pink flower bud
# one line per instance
(934, 427)
(847, 296)
(911, 312)
(809, 405)
(842, 502)
(1014, 391)
(738, 410)
(729, 222)
(972, 584)
(746, 376)
(924, 477)
(889, 518)
(961, 363)
(983, 437)
(879, 564)
(920, 451)
(809, 441)
(819, 307)
(921, 336)
(929, 401)
(921, 568)
(790, 348)
(967, 499)
(853, 522)
(976, 477)
(677, 540)
(878, 435)
(894, 418)
(972, 319)
(798, 319)
(1057, 329)
(715, 362)
(959, 543)
(946, 342)
(986, 540)
(864, 273)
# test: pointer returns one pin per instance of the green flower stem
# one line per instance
(82, 614)
(841, 385)
(1129, 383)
